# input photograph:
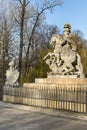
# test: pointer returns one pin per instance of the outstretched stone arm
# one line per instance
(49, 54)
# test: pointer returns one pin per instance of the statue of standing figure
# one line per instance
(12, 75)
(64, 60)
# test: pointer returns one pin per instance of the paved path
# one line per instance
(18, 119)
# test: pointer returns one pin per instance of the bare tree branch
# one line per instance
(46, 5)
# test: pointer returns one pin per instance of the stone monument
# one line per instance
(12, 75)
(65, 86)
(64, 61)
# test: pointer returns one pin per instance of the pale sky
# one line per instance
(73, 12)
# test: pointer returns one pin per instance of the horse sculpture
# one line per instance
(64, 57)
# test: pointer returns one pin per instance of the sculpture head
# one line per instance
(53, 40)
(11, 64)
(67, 30)
(56, 40)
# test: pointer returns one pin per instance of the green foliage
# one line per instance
(39, 70)
(30, 76)
(82, 51)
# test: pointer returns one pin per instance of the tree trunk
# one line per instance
(21, 37)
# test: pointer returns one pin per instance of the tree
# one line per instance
(37, 69)
(33, 16)
(5, 41)
(22, 6)
(41, 39)
(42, 6)
(81, 49)
(6, 38)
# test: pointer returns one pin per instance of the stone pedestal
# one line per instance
(76, 81)
(61, 76)
(54, 82)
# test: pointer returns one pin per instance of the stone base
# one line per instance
(61, 81)
(61, 76)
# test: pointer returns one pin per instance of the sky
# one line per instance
(73, 12)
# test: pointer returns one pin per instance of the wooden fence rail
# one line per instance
(73, 97)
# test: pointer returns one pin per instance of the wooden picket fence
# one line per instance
(63, 97)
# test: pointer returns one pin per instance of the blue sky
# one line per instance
(73, 12)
